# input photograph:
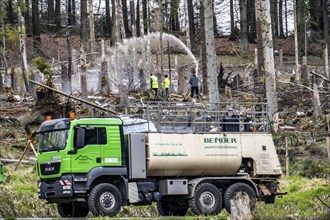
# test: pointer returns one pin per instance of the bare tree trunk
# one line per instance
(187, 24)
(182, 80)
(68, 87)
(261, 60)
(204, 87)
(326, 38)
(21, 28)
(64, 79)
(267, 39)
(114, 28)
(120, 21)
(83, 26)
(243, 22)
(211, 62)
(141, 18)
(107, 18)
(83, 75)
(280, 16)
(191, 22)
(36, 27)
(105, 88)
(58, 15)
(286, 157)
(316, 101)
(91, 27)
(233, 34)
(3, 53)
(133, 21)
(50, 10)
(125, 17)
(13, 80)
(286, 17)
(296, 48)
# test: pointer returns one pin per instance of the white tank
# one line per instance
(193, 154)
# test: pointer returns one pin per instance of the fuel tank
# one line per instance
(193, 154)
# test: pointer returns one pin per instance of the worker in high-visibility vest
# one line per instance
(166, 85)
(154, 83)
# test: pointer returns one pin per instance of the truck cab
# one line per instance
(179, 155)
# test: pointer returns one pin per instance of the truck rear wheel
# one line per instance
(172, 207)
(207, 200)
(236, 190)
(68, 210)
(104, 199)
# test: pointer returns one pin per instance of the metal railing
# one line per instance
(196, 117)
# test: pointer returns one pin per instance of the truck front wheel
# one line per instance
(104, 199)
(207, 200)
(68, 210)
(237, 190)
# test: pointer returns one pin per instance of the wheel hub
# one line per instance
(207, 200)
(107, 200)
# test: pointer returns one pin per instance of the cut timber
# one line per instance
(72, 97)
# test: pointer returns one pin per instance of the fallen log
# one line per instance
(30, 161)
(72, 97)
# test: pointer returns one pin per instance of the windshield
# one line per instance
(53, 140)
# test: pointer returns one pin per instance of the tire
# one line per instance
(207, 200)
(172, 207)
(233, 190)
(105, 200)
(69, 210)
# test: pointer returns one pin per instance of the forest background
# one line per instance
(278, 51)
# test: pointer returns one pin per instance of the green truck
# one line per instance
(169, 154)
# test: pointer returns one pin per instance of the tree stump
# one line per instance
(240, 207)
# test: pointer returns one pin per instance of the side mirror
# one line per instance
(80, 138)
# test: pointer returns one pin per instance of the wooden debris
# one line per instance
(73, 97)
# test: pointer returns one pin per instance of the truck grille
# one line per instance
(50, 168)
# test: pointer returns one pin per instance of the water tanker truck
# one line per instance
(179, 156)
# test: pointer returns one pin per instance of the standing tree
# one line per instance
(91, 26)
(244, 26)
(22, 38)
(125, 17)
(211, 63)
(263, 13)
(233, 30)
(280, 18)
(326, 38)
(36, 27)
(83, 25)
(107, 18)
(191, 22)
(58, 15)
(50, 9)
(251, 16)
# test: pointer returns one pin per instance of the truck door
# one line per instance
(89, 156)
(112, 151)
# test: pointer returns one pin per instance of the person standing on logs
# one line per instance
(166, 85)
(154, 83)
(194, 84)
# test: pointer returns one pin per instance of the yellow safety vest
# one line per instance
(154, 83)
(166, 83)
